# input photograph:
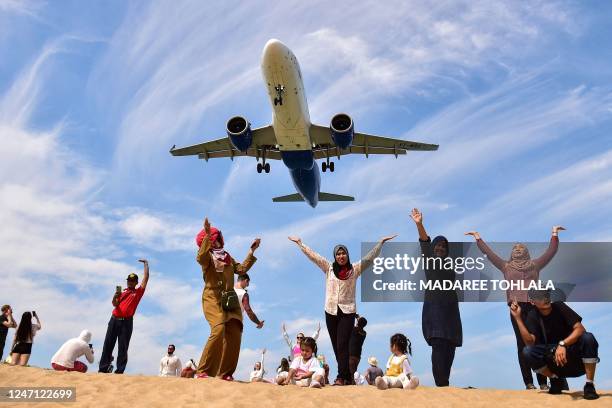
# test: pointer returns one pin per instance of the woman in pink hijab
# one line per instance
(521, 267)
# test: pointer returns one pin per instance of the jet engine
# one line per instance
(342, 131)
(239, 132)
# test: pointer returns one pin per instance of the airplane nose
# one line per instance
(273, 46)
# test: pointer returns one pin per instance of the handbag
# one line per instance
(229, 298)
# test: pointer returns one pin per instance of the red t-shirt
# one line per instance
(128, 302)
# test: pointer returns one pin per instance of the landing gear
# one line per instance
(263, 166)
(280, 90)
(327, 165)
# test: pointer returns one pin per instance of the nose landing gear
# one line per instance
(280, 90)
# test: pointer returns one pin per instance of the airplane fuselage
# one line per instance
(291, 118)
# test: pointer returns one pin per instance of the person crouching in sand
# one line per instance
(399, 373)
(305, 370)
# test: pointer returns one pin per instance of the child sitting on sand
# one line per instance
(399, 373)
(305, 370)
(282, 371)
(258, 370)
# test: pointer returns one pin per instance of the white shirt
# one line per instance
(304, 367)
(73, 349)
(240, 292)
(170, 366)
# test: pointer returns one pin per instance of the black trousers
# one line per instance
(118, 330)
(339, 328)
(520, 344)
(442, 356)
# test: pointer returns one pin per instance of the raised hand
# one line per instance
(295, 239)
(387, 238)
(475, 234)
(557, 228)
(255, 244)
(416, 216)
(263, 351)
(259, 326)
(206, 226)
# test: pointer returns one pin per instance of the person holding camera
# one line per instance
(7, 322)
(121, 322)
(24, 337)
(220, 303)
(556, 343)
(66, 358)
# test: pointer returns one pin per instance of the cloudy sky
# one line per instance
(92, 97)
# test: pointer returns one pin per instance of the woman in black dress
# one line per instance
(441, 321)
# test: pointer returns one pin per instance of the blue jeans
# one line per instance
(583, 351)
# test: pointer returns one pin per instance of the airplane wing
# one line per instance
(363, 143)
(263, 139)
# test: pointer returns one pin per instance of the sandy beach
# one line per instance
(100, 390)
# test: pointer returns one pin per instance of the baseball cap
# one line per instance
(132, 277)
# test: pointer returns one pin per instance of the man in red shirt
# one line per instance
(121, 322)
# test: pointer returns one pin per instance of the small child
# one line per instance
(282, 371)
(399, 373)
(305, 370)
(258, 370)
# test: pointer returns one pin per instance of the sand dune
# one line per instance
(109, 390)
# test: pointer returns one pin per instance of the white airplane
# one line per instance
(291, 137)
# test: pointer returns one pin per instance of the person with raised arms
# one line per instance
(220, 303)
(440, 318)
(294, 350)
(340, 309)
(521, 267)
(121, 323)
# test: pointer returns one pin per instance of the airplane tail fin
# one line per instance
(322, 197)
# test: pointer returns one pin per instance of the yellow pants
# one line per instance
(221, 352)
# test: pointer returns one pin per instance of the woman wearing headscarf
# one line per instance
(340, 309)
(220, 355)
(520, 267)
(440, 319)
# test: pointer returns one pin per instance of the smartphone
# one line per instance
(91, 346)
(118, 289)
(33, 313)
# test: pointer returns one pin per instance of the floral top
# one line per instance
(340, 293)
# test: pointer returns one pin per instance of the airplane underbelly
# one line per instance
(291, 120)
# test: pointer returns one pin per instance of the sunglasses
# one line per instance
(300, 338)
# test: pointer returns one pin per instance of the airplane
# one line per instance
(291, 137)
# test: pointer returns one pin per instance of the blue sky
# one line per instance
(92, 97)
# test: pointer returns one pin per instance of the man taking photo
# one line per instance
(121, 322)
(557, 344)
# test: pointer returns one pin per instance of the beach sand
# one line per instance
(109, 390)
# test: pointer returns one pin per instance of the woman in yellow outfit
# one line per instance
(221, 352)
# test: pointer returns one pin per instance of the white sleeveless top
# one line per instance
(240, 292)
